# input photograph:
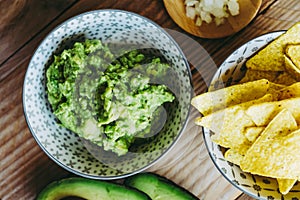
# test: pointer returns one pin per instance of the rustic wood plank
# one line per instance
(266, 5)
(153, 10)
(23, 19)
(23, 165)
(244, 197)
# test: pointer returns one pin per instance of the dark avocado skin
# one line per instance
(89, 189)
(158, 187)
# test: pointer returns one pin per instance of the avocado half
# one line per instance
(158, 187)
(89, 189)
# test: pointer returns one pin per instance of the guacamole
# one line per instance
(107, 99)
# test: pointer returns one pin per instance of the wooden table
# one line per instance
(24, 167)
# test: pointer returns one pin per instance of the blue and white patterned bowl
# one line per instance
(229, 73)
(65, 147)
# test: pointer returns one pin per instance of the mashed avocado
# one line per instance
(106, 99)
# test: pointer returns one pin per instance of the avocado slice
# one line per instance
(158, 187)
(89, 189)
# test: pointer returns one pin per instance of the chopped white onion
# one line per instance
(211, 10)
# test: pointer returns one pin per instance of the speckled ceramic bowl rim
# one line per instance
(180, 132)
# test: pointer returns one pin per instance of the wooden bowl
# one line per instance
(233, 24)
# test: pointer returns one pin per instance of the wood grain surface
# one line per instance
(25, 169)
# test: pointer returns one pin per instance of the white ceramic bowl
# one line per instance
(230, 72)
(65, 147)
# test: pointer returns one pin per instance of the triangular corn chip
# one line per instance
(275, 152)
(252, 75)
(271, 58)
(263, 113)
(253, 132)
(229, 124)
(284, 78)
(288, 92)
(292, 60)
(209, 102)
(285, 185)
(233, 156)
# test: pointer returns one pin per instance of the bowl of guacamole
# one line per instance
(107, 94)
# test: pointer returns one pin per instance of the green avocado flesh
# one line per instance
(158, 188)
(90, 190)
(107, 98)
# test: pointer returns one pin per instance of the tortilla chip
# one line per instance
(252, 75)
(270, 109)
(252, 133)
(285, 185)
(285, 79)
(288, 92)
(293, 52)
(276, 152)
(228, 126)
(271, 57)
(292, 60)
(263, 113)
(233, 156)
(291, 68)
(278, 158)
(216, 100)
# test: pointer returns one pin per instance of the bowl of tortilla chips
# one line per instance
(251, 116)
